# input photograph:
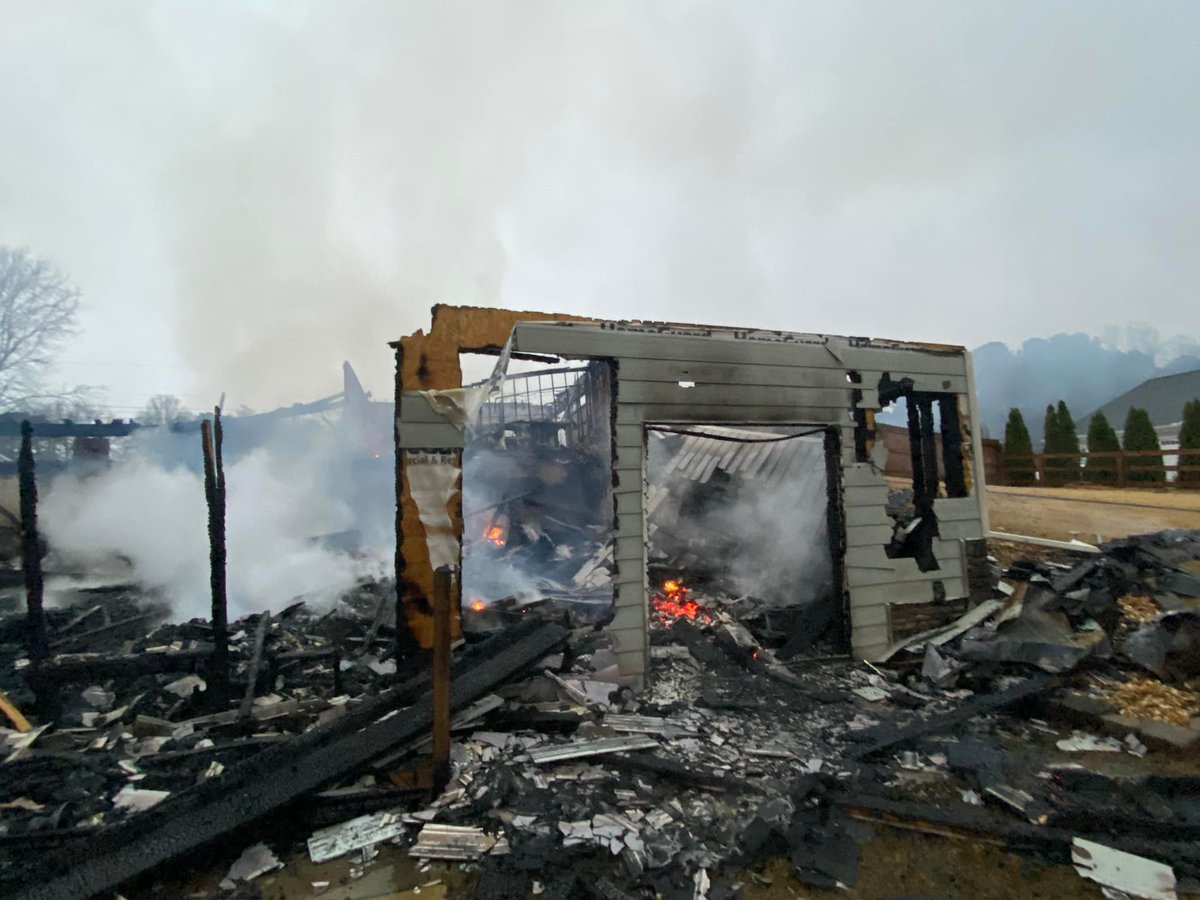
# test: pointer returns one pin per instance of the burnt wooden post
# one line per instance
(214, 492)
(31, 550)
(442, 591)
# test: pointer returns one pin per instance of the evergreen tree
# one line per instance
(1189, 439)
(1061, 438)
(1067, 441)
(1051, 467)
(1018, 450)
(1140, 435)
(1102, 438)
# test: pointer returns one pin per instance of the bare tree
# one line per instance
(38, 309)
(163, 409)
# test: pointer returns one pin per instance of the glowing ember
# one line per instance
(671, 602)
(478, 606)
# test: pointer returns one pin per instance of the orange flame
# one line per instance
(671, 602)
(478, 606)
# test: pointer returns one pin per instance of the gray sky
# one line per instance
(250, 192)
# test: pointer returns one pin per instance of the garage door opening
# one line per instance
(744, 524)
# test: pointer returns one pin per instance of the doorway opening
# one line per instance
(744, 526)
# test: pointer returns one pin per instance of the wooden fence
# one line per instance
(1113, 467)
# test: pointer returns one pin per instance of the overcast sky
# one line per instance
(250, 192)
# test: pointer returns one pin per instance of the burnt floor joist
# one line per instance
(275, 777)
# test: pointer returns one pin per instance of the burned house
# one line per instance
(885, 568)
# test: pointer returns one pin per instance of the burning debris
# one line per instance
(672, 601)
(536, 502)
(561, 774)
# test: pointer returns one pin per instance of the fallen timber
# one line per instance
(277, 776)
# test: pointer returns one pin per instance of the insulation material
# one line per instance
(432, 480)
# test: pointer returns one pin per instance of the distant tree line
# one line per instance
(1061, 437)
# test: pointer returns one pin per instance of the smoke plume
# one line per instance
(149, 509)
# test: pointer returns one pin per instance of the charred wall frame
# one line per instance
(777, 378)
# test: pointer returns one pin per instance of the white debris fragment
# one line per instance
(452, 842)
(871, 694)
(254, 861)
(214, 769)
(382, 667)
(971, 798)
(1079, 742)
(1134, 746)
(1121, 871)
(576, 832)
(133, 798)
(97, 697)
(330, 843)
(187, 685)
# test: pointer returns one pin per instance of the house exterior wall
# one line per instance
(755, 378)
(740, 377)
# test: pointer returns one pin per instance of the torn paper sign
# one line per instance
(432, 479)
(460, 406)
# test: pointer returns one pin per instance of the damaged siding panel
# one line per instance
(628, 546)
(865, 495)
(726, 346)
(728, 414)
(414, 407)
(414, 435)
(629, 523)
(906, 571)
(628, 616)
(964, 530)
(754, 375)
(706, 346)
(883, 595)
(866, 515)
(630, 575)
(956, 510)
(736, 393)
(869, 641)
(913, 363)
(859, 474)
(868, 535)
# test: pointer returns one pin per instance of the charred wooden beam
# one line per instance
(888, 736)
(214, 492)
(31, 550)
(275, 777)
(89, 667)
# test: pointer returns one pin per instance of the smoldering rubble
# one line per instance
(566, 781)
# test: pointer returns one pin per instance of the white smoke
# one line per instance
(154, 515)
(771, 537)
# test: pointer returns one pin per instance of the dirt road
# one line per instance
(1090, 514)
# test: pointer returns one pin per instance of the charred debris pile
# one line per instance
(1055, 718)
